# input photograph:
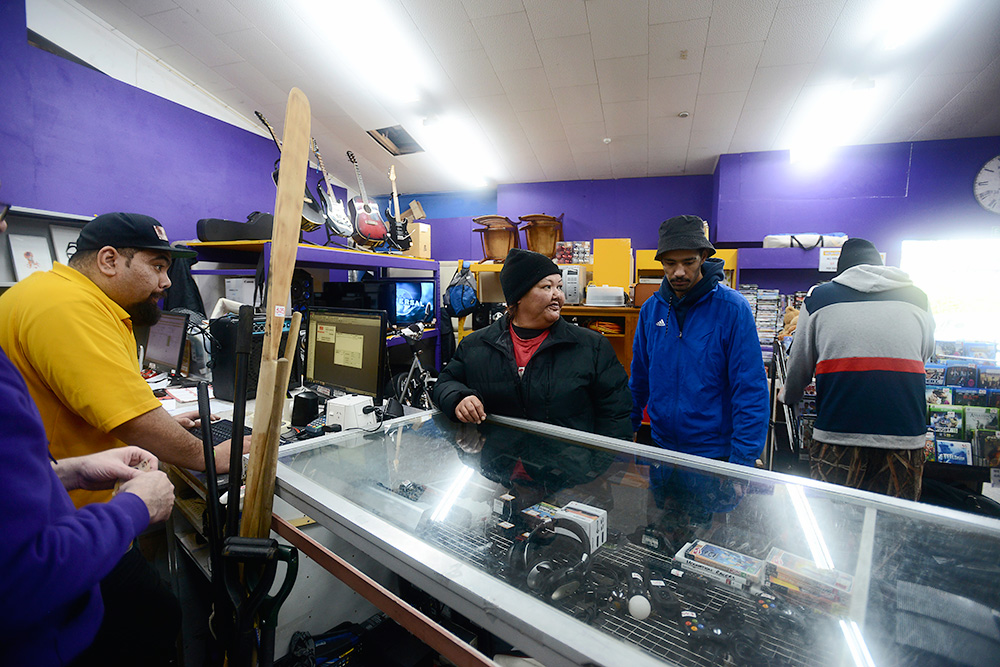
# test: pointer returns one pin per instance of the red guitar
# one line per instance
(369, 228)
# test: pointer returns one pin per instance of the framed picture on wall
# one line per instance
(29, 254)
(61, 238)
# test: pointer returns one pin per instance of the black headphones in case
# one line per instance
(548, 572)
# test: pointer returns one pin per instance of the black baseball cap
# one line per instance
(127, 230)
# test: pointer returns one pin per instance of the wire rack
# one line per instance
(657, 635)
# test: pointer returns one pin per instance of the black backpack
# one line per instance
(460, 296)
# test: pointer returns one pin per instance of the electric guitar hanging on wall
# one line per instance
(336, 217)
(369, 229)
(312, 216)
(399, 236)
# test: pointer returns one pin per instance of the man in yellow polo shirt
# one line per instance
(69, 332)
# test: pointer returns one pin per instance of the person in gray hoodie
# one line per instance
(865, 336)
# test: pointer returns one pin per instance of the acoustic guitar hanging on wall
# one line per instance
(369, 228)
(312, 216)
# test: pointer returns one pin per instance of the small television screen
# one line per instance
(407, 301)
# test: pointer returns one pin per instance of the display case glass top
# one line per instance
(700, 562)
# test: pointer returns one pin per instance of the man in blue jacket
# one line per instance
(696, 361)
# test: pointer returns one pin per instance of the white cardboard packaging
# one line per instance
(593, 519)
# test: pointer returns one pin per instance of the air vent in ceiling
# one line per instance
(396, 140)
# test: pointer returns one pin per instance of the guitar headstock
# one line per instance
(319, 156)
(392, 173)
(350, 156)
(274, 135)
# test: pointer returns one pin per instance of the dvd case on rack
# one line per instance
(981, 418)
(930, 447)
(948, 348)
(935, 374)
(980, 350)
(948, 421)
(938, 395)
(968, 396)
(960, 374)
(954, 451)
(989, 377)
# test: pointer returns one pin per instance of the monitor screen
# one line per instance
(165, 344)
(345, 350)
(407, 301)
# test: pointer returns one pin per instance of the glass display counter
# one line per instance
(699, 562)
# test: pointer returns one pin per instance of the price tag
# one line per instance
(828, 259)
(995, 477)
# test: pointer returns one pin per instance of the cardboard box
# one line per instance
(420, 233)
(643, 291)
(594, 521)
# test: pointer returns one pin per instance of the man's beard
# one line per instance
(144, 314)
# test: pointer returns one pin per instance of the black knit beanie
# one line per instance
(522, 270)
(855, 252)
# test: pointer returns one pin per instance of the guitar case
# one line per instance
(256, 228)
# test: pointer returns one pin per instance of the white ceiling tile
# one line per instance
(623, 79)
(593, 164)
(671, 95)
(472, 73)
(586, 137)
(259, 51)
(917, 105)
(444, 25)
(629, 149)
(245, 76)
(480, 8)
(618, 29)
(557, 18)
(186, 31)
(668, 41)
(508, 41)
(495, 114)
(701, 162)
(147, 7)
(777, 86)
(799, 33)
(541, 126)
(669, 134)
(756, 128)
(128, 23)
(667, 162)
(569, 61)
(672, 11)
(527, 89)
(715, 118)
(176, 57)
(218, 16)
(735, 21)
(729, 67)
(626, 118)
(630, 169)
(579, 104)
(973, 46)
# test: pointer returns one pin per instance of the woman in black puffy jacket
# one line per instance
(533, 364)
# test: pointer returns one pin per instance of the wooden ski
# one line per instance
(272, 381)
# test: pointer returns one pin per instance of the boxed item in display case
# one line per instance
(981, 418)
(939, 395)
(980, 350)
(960, 374)
(930, 446)
(986, 447)
(594, 521)
(989, 377)
(726, 560)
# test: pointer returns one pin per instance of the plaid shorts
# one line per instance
(894, 472)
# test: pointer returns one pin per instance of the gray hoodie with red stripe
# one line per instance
(865, 336)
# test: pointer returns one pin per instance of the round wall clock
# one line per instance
(986, 187)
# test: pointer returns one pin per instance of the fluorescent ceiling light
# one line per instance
(834, 115)
(367, 38)
(458, 144)
(902, 22)
(856, 644)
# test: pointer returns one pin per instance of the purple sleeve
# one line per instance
(51, 553)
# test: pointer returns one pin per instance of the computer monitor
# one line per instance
(165, 343)
(407, 301)
(345, 350)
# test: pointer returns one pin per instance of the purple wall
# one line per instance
(886, 193)
(77, 141)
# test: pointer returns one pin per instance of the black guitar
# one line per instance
(312, 215)
(399, 236)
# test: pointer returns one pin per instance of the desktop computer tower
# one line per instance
(223, 363)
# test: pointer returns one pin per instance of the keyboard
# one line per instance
(222, 430)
